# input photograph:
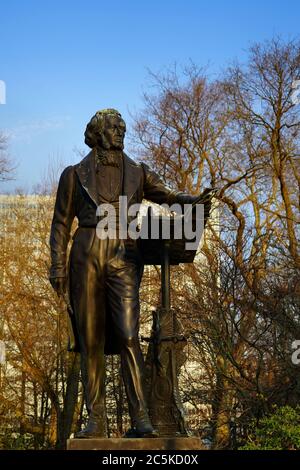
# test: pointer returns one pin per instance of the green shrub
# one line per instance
(278, 431)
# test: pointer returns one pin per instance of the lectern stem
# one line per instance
(165, 276)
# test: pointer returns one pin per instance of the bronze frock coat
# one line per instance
(78, 196)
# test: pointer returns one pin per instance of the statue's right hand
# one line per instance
(59, 284)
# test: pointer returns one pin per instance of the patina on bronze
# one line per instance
(104, 275)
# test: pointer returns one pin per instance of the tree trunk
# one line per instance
(65, 420)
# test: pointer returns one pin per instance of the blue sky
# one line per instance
(63, 60)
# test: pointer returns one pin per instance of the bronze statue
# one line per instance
(104, 274)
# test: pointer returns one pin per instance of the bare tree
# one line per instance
(240, 133)
(6, 165)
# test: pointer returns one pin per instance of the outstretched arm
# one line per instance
(156, 191)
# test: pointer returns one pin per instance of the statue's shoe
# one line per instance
(145, 429)
(92, 431)
(142, 429)
(132, 433)
(148, 434)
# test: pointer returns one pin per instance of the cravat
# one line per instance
(108, 159)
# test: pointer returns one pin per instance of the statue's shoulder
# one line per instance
(130, 161)
(67, 173)
(66, 180)
(85, 161)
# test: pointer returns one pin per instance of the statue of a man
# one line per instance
(104, 274)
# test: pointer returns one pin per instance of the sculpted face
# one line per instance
(114, 133)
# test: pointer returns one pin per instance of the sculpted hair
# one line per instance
(96, 125)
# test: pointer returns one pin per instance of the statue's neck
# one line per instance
(110, 151)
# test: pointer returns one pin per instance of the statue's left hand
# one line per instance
(59, 284)
(205, 198)
(207, 195)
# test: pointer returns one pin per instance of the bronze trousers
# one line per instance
(104, 284)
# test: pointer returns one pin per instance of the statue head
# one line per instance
(106, 130)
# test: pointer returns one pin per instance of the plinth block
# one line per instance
(159, 443)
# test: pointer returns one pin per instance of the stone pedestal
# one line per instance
(160, 443)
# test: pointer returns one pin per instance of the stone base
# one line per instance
(159, 443)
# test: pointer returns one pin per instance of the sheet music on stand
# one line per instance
(152, 248)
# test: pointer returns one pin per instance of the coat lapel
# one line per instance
(132, 177)
(87, 176)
